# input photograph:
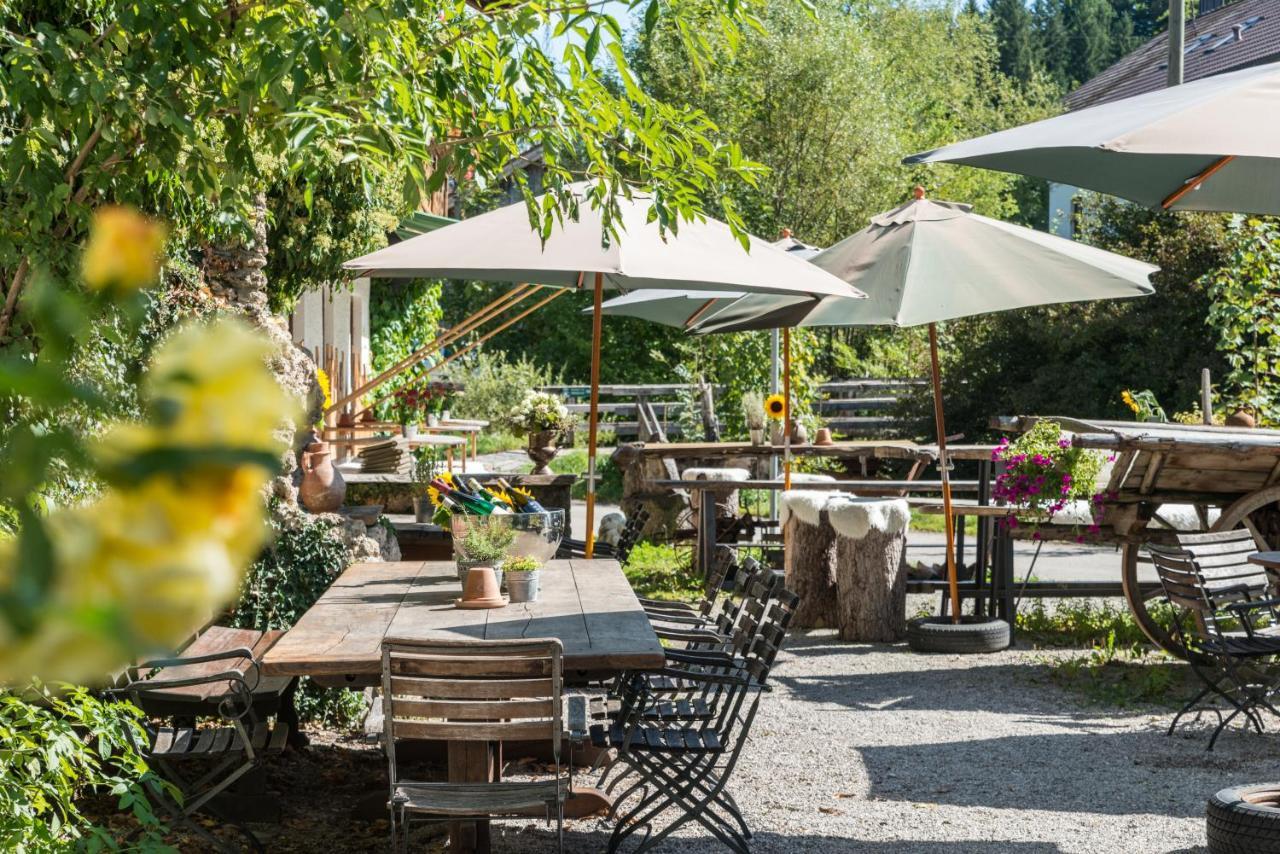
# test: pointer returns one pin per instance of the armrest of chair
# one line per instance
(706, 658)
(678, 619)
(1244, 610)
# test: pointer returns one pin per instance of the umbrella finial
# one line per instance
(786, 232)
(918, 192)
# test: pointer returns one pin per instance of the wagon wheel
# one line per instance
(1255, 511)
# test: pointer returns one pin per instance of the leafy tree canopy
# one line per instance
(182, 108)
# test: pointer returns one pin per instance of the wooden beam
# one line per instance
(447, 337)
(483, 338)
(1149, 476)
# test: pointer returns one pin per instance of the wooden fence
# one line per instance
(859, 408)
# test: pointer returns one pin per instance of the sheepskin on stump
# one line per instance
(809, 558)
(871, 578)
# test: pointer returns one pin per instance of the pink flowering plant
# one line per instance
(1042, 472)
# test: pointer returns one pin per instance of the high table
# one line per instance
(587, 604)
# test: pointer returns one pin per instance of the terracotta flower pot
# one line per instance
(323, 488)
(481, 589)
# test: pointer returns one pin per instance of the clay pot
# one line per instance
(347, 419)
(367, 416)
(323, 488)
(799, 435)
(823, 437)
(1241, 418)
(542, 450)
(481, 589)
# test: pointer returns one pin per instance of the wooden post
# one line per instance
(1206, 397)
(786, 407)
(595, 417)
(953, 581)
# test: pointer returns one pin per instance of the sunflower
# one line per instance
(1127, 397)
(775, 406)
(434, 494)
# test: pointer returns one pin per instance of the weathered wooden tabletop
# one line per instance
(587, 604)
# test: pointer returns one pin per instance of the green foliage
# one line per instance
(302, 561)
(287, 579)
(1086, 622)
(660, 572)
(487, 538)
(831, 99)
(404, 316)
(184, 109)
(333, 214)
(609, 485)
(1123, 677)
(1244, 316)
(1075, 359)
(495, 385)
(58, 748)
(521, 563)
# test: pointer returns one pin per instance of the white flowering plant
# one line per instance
(539, 412)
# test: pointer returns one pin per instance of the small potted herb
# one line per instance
(485, 544)
(753, 412)
(522, 578)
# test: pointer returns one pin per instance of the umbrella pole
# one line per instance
(786, 407)
(595, 418)
(953, 581)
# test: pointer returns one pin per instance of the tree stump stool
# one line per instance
(809, 558)
(871, 577)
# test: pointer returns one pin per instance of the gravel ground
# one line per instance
(873, 748)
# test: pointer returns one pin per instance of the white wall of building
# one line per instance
(332, 324)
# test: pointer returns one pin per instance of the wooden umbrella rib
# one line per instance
(693, 318)
(1195, 181)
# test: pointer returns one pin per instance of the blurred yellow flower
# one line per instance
(326, 386)
(140, 569)
(124, 250)
(1127, 397)
(775, 406)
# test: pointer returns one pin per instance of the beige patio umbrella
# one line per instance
(501, 246)
(926, 262)
(1210, 145)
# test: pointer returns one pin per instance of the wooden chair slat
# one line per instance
(496, 710)
(476, 667)
(457, 689)
(486, 731)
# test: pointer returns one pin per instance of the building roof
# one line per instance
(1234, 36)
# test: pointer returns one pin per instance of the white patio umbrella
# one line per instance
(1210, 145)
(501, 246)
(926, 262)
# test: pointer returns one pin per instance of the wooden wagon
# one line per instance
(1220, 477)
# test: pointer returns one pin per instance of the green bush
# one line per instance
(496, 385)
(660, 572)
(57, 749)
(609, 485)
(281, 585)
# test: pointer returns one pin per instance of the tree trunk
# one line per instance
(872, 584)
(809, 565)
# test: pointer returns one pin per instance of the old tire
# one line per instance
(1244, 820)
(971, 634)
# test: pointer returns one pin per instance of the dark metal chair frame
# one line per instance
(1206, 578)
(685, 764)
(239, 745)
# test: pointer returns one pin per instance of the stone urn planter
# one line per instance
(542, 450)
(757, 436)
(323, 488)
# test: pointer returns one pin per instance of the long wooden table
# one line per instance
(587, 604)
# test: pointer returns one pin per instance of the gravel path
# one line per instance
(873, 748)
